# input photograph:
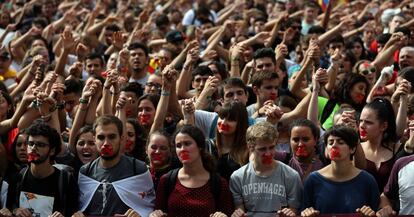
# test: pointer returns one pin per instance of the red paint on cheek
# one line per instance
(32, 157)
(128, 145)
(184, 155)
(334, 153)
(267, 159)
(302, 152)
(107, 150)
(223, 127)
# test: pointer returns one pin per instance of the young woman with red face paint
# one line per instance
(230, 141)
(340, 187)
(352, 92)
(377, 130)
(192, 192)
(135, 140)
(304, 137)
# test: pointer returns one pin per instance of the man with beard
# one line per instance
(41, 189)
(114, 183)
(139, 61)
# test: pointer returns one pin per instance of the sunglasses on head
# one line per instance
(368, 71)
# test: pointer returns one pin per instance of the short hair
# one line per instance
(337, 39)
(41, 128)
(92, 56)
(263, 131)
(41, 21)
(265, 52)
(113, 28)
(39, 37)
(383, 38)
(133, 87)
(232, 82)
(259, 77)
(316, 30)
(162, 19)
(202, 70)
(107, 120)
(348, 134)
(138, 45)
(311, 4)
(73, 86)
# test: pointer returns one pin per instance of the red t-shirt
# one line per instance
(190, 202)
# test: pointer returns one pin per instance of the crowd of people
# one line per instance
(206, 108)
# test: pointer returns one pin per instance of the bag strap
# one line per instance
(213, 127)
(172, 179)
(327, 110)
(215, 181)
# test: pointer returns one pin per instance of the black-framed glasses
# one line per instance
(37, 144)
(368, 71)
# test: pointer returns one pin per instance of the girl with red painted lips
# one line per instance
(135, 140)
(378, 131)
(304, 136)
(328, 190)
(147, 105)
(192, 191)
(230, 142)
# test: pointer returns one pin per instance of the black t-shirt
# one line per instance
(57, 192)
(106, 201)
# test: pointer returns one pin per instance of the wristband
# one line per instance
(165, 93)
(60, 105)
(84, 101)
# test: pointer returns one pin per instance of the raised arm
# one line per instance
(184, 80)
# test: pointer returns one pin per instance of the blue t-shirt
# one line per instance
(340, 197)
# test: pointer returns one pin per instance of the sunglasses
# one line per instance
(368, 71)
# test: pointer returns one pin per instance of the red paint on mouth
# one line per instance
(267, 159)
(362, 133)
(334, 153)
(144, 119)
(32, 157)
(302, 152)
(107, 150)
(128, 146)
(360, 98)
(273, 96)
(223, 127)
(184, 155)
(156, 157)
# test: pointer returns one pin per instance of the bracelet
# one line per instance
(84, 101)
(165, 93)
(60, 105)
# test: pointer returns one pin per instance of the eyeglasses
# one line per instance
(155, 85)
(299, 28)
(37, 144)
(368, 71)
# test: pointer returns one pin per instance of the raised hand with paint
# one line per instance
(328, 190)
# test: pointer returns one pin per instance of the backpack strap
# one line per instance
(172, 179)
(215, 181)
(213, 127)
